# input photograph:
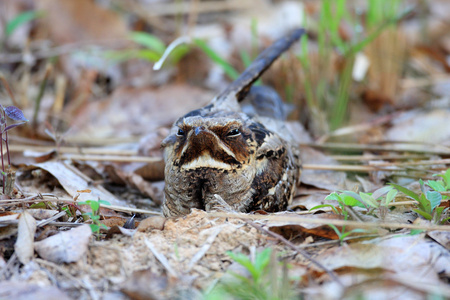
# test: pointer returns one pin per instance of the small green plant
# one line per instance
(155, 50)
(429, 201)
(94, 214)
(346, 198)
(342, 234)
(442, 185)
(264, 281)
(381, 198)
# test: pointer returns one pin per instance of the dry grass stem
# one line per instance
(298, 220)
(399, 147)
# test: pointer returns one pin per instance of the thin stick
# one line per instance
(64, 49)
(359, 148)
(3, 116)
(360, 168)
(414, 163)
(145, 159)
(376, 157)
(295, 248)
(203, 7)
(73, 150)
(298, 220)
(35, 198)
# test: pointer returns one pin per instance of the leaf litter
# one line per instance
(106, 119)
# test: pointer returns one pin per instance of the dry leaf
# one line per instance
(67, 246)
(119, 230)
(442, 237)
(293, 230)
(19, 290)
(145, 285)
(421, 126)
(142, 111)
(24, 246)
(329, 180)
(73, 182)
(151, 223)
(114, 221)
(41, 214)
(7, 231)
(409, 256)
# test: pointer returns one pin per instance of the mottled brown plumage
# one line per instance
(220, 155)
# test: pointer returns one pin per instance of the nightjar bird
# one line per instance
(235, 152)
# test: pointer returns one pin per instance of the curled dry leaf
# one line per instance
(68, 246)
(24, 246)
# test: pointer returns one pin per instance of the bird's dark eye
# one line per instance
(233, 132)
(180, 132)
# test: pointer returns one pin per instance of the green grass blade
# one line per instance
(423, 214)
(406, 191)
(148, 40)
(21, 19)
(228, 69)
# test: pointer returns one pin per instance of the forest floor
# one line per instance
(369, 99)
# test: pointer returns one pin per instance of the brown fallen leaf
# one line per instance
(24, 245)
(151, 223)
(79, 21)
(127, 175)
(67, 246)
(114, 221)
(153, 171)
(119, 230)
(290, 230)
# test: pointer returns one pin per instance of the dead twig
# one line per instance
(295, 219)
(399, 147)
